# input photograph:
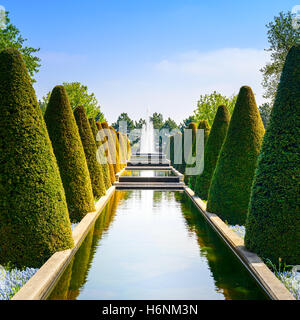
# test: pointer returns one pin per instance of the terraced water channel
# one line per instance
(154, 244)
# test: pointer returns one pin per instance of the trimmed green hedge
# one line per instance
(230, 187)
(212, 150)
(104, 140)
(69, 152)
(34, 219)
(90, 150)
(105, 166)
(190, 149)
(116, 147)
(273, 224)
(112, 146)
(203, 124)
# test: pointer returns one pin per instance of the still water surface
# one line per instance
(149, 244)
(148, 173)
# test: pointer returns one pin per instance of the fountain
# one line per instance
(147, 155)
(147, 137)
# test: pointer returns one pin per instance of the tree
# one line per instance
(124, 117)
(157, 120)
(139, 124)
(186, 122)
(78, 96)
(281, 36)
(10, 37)
(90, 150)
(34, 218)
(208, 104)
(99, 117)
(231, 183)
(212, 150)
(169, 124)
(273, 224)
(69, 152)
(265, 112)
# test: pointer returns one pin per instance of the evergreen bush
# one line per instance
(273, 223)
(230, 187)
(34, 218)
(105, 166)
(90, 150)
(212, 150)
(69, 152)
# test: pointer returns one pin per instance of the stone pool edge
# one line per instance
(271, 285)
(42, 282)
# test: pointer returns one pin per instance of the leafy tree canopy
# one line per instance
(208, 104)
(10, 37)
(78, 95)
(124, 117)
(158, 120)
(169, 124)
(139, 124)
(186, 122)
(265, 112)
(281, 36)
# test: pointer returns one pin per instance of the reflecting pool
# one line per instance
(148, 173)
(149, 244)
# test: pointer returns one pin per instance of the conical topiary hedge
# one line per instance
(90, 150)
(122, 149)
(69, 152)
(273, 224)
(203, 124)
(104, 141)
(128, 148)
(116, 147)
(104, 166)
(212, 150)
(190, 147)
(34, 219)
(230, 187)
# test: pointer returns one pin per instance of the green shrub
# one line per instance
(116, 147)
(34, 219)
(191, 150)
(122, 149)
(273, 223)
(112, 146)
(104, 166)
(104, 140)
(212, 150)
(128, 148)
(69, 152)
(230, 187)
(90, 150)
(203, 124)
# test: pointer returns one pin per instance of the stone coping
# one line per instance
(42, 282)
(271, 285)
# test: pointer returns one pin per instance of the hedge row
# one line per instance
(49, 171)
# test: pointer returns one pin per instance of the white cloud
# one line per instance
(224, 70)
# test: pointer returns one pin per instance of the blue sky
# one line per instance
(148, 53)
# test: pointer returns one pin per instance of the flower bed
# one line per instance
(291, 278)
(11, 280)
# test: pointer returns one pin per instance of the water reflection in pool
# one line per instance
(150, 244)
(148, 173)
